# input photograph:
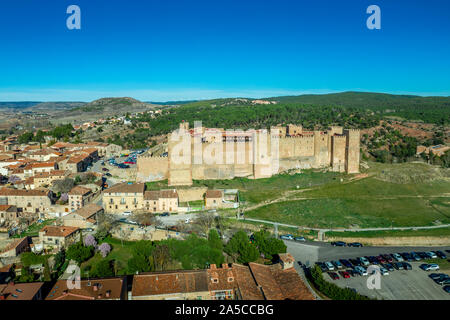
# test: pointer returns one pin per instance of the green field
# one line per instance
(119, 254)
(368, 202)
(255, 191)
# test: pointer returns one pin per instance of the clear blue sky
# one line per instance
(157, 50)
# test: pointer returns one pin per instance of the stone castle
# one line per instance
(238, 152)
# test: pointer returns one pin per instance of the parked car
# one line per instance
(406, 256)
(431, 255)
(322, 266)
(381, 259)
(415, 256)
(329, 265)
(105, 169)
(301, 239)
(287, 237)
(108, 174)
(344, 274)
(397, 257)
(165, 214)
(338, 244)
(352, 272)
(429, 267)
(436, 276)
(389, 266)
(337, 264)
(372, 260)
(398, 265)
(346, 263)
(441, 254)
(447, 289)
(387, 257)
(384, 271)
(443, 281)
(354, 244)
(333, 275)
(406, 266)
(364, 261)
(355, 262)
(361, 270)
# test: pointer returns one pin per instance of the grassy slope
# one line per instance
(364, 203)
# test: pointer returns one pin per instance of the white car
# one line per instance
(187, 221)
(329, 265)
(430, 267)
(431, 254)
(384, 271)
(127, 213)
(364, 261)
(398, 257)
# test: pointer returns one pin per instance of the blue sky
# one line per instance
(157, 50)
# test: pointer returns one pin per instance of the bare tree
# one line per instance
(205, 222)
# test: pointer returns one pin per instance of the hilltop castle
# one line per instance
(238, 153)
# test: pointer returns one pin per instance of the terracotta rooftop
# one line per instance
(161, 194)
(7, 208)
(88, 210)
(278, 284)
(20, 291)
(126, 188)
(79, 191)
(23, 193)
(214, 194)
(58, 231)
(94, 289)
(170, 283)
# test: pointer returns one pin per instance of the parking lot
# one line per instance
(397, 285)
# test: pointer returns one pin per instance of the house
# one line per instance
(171, 285)
(83, 218)
(47, 178)
(34, 168)
(15, 248)
(161, 201)
(123, 197)
(213, 199)
(94, 289)
(21, 291)
(8, 213)
(230, 282)
(79, 197)
(31, 201)
(57, 237)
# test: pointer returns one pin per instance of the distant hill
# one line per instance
(113, 105)
(18, 104)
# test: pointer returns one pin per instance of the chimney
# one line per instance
(95, 287)
(224, 266)
(2, 297)
(108, 293)
(212, 266)
(99, 296)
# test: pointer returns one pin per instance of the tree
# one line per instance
(161, 256)
(240, 248)
(79, 252)
(214, 240)
(138, 263)
(205, 222)
(103, 269)
(90, 241)
(63, 186)
(104, 249)
(268, 245)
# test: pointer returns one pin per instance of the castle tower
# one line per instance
(352, 150)
(321, 149)
(338, 155)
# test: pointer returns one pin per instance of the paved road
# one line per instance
(354, 229)
(311, 252)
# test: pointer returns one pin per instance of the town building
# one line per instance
(83, 218)
(79, 197)
(58, 237)
(21, 291)
(93, 289)
(124, 197)
(31, 201)
(161, 201)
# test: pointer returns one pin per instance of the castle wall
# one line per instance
(321, 149)
(152, 168)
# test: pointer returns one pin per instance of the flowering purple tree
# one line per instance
(90, 241)
(104, 249)
(64, 197)
(13, 179)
